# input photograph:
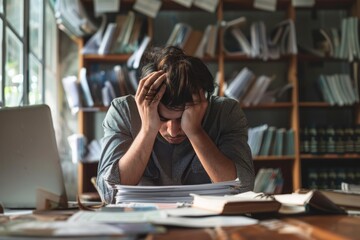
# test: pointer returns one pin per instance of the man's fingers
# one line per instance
(151, 92)
(157, 97)
(146, 83)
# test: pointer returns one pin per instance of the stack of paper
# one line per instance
(175, 193)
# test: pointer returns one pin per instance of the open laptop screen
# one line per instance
(29, 158)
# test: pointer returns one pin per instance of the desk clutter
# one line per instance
(157, 219)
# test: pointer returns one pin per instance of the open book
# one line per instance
(312, 201)
(248, 202)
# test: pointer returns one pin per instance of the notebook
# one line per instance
(29, 158)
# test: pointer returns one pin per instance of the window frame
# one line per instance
(25, 41)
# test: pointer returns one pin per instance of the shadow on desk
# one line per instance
(305, 227)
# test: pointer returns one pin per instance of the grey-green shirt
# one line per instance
(172, 164)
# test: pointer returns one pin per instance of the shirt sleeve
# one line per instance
(118, 136)
(234, 143)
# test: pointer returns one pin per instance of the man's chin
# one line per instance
(176, 140)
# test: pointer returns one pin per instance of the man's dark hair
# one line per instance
(186, 75)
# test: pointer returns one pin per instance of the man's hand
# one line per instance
(194, 114)
(148, 95)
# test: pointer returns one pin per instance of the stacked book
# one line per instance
(330, 139)
(338, 89)
(198, 43)
(124, 35)
(267, 140)
(258, 43)
(100, 86)
(251, 90)
(341, 42)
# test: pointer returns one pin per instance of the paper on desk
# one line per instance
(189, 212)
(160, 217)
(204, 222)
(60, 229)
(116, 217)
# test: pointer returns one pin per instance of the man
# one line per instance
(173, 131)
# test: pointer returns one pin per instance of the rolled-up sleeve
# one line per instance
(118, 136)
(233, 143)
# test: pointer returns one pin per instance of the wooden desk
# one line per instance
(309, 227)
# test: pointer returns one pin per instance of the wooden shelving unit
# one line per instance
(293, 164)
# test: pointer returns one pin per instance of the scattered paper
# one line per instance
(186, 3)
(116, 217)
(205, 222)
(268, 5)
(207, 5)
(160, 217)
(149, 8)
(303, 3)
(103, 6)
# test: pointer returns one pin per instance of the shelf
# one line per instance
(249, 5)
(238, 5)
(305, 57)
(321, 105)
(269, 105)
(245, 58)
(331, 4)
(273, 158)
(293, 68)
(330, 156)
(120, 58)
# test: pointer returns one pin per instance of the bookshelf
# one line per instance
(288, 68)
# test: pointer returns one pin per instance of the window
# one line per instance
(25, 39)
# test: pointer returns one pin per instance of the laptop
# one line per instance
(29, 158)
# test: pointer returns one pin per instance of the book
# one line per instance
(348, 187)
(106, 41)
(211, 44)
(201, 48)
(278, 146)
(247, 202)
(240, 84)
(230, 43)
(255, 138)
(289, 146)
(344, 199)
(268, 141)
(322, 41)
(242, 40)
(123, 32)
(71, 89)
(134, 60)
(311, 202)
(89, 101)
(120, 21)
(193, 41)
(257, 90)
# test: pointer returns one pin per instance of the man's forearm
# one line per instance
(132, 165)
(217, 165)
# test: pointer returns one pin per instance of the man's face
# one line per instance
(170, 128)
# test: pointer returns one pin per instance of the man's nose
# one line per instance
(174, 127)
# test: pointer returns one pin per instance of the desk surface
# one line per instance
(322, 227)
(309, 227)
